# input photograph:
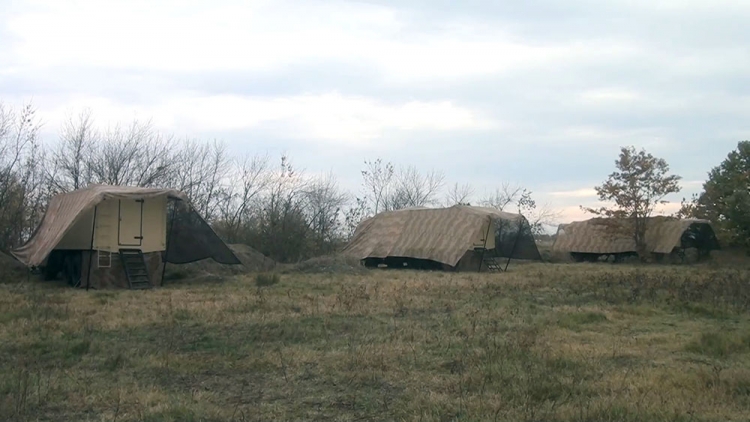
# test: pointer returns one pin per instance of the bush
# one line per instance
(267, 279)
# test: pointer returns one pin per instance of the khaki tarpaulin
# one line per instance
(64, 210)
(611, 236)
(442, 234)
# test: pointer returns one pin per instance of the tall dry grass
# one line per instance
(542, 342)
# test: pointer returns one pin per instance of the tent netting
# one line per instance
(515, 239)
(190, 238)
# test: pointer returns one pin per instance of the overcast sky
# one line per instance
(541, 93)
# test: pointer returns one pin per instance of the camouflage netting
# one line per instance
(514, 239)
(611, 236)
(190, 238)
(443, 235)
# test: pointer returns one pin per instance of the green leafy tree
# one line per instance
(636, 188)
(725, 199)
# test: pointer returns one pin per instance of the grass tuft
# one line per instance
(720, 344)
(575, 320)
(79, 348)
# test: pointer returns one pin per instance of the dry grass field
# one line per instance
(544, 342)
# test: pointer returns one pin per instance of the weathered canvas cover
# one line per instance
(609, 236)
(63, 210)
(440, 234)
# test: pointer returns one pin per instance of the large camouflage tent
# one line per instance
(86, 231)
(613, 236)
(458, 237)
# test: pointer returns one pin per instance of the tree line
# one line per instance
(267, 203)
(725, 198)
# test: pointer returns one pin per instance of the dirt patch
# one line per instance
(328, 264)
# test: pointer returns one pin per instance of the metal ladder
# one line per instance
(489, 261)
(493, 264)
(135, 269)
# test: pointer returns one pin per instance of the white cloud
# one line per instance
(578, 193)
(171, 35)
(328, 117)
(644, 137)
(609, 95)
(694, 6)
(263, 35)
(643, 78)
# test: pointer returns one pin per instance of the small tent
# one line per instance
(454, 238)
(590, 239)
(117, 236)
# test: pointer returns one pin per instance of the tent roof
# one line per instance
(64, 209)
(605, 235)
(438, 234)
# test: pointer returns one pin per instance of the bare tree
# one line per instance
(135, 156)
(21, 181)
(283, 226)
(509, 195)
(515, 198)
(70, 168)
(198, 169)
(377, 178)
(414, 189)
(459, 194)
(324, 202)
(240, 200)
(387, 189)
(354, 214)
(541, 216)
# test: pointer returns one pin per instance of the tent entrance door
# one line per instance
(130, 224)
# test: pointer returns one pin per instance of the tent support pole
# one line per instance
(169, 237)
(91, 250)
(484, 247)
(520, 224)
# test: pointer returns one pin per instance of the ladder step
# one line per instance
(135, 268)
(492, 264)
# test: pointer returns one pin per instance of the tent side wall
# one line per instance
(118, 224)
(120, 221)
(155, 225)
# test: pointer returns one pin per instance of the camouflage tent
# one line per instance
(613, 236)
(458, 237)
(90, 232)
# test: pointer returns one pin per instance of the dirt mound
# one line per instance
(329, 264)
(252, 261)
(10, 269)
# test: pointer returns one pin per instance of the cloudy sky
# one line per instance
(541, 93)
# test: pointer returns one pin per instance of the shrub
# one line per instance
(267, 279)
